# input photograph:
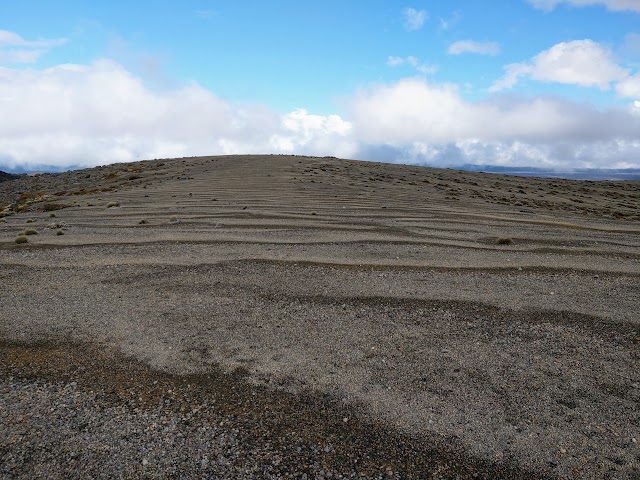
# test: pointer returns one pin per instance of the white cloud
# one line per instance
(314, 133)
(414, 19)
(413, 114)
(393, 61)
(614, 5)
(20, 56)
(629, 87)
(580, 62)
(12, 39)
(101, 113)
(427, 69)
(469, 46)
(15, 49)
(84, 115)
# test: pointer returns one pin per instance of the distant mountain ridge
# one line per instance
(572, 174)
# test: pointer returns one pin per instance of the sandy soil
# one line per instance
(382, 289)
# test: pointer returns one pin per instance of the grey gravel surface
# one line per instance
(73, 411)
(333, 289)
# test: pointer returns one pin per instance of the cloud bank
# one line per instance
(85, 115)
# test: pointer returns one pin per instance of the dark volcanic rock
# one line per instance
(6, 176)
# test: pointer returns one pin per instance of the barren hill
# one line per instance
(267, 315)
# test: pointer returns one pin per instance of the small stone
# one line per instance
(634, 440)
(345, 419)
(563, 451)
(145, 462)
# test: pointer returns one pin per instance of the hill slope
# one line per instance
(380, 319)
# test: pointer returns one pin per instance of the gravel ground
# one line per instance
(72, 411)
(318, 317)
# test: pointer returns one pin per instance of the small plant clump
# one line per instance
(142, 222)
(49, 207)
(52, 215)
(113, 204)
(29, 220)
(504, 241)
(2, 219)
(60, 232)
(173, 219)
(30, 231)
(22, 239)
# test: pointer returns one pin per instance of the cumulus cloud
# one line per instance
(613, 5)
(435, 124)
(414, 19)
(469, 46)
(84, 115)
(314, 133)
(579, 62)
(629, 87)
(15, 49)
(412, 110)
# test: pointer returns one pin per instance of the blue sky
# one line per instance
(549, 83)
